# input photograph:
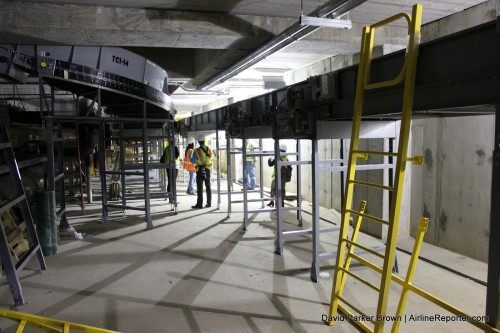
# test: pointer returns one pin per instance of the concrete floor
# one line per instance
(198, 271)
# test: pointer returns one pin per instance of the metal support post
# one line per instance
(315, 211)
(493, 287)
(245, 183)
(342, 173)
(163, 173)
(71, 181)
(172, 181)
(102, 160)
(391, 170)
(388, 194)
(123, 177)
(261, 173)
(79, 160)
(217, 149)
(145, 161)
(90, 198)
(299, 186)
(61, 213)
(229, 179)
(51, 182)
(102, 171)
(278, 198)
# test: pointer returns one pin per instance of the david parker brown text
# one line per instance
(405, 318)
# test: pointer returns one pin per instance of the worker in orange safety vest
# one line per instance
(189, 166)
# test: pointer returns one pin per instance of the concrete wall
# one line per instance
(453, 187)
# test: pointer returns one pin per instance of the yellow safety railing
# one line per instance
(407, 75)
(47, 324)
(408, 286)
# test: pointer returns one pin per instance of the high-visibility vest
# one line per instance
(188, 165)
(202, 158)
(169, 154)
(249, 149)
(283, 159)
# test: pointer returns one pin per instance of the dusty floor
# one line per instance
(198, 271)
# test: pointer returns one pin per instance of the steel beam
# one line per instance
(442, 80)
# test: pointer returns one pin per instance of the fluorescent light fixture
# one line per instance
(325, 22)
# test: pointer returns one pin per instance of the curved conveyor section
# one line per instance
(124, 78)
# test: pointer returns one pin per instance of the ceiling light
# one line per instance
(325, 22)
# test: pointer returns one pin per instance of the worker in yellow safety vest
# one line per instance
(202, 160)
(171, 157)
(271, 163)
(189, 166)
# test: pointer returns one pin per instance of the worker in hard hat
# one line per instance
(271, 163)
(171, 158)
(189, 166)
(202, 160)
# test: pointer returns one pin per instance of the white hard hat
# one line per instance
(201, 137)
(283, 147)
(190, 140)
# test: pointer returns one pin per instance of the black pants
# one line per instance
(172, 177)
(283, 191)
(199, 188)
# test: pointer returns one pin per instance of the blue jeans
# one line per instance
(250, 175)
(191, 182)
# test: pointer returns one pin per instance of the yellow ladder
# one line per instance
(407, 74)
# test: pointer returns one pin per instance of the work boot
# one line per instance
(270, 204)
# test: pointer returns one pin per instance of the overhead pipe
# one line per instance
(335, 8)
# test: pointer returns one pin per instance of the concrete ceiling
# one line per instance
(195, 40)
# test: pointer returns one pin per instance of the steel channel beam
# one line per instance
(442, 80)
